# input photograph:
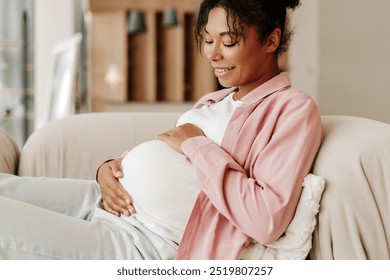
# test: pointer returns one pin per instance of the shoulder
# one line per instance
(291, 98)
(295, 94)
(293, 107)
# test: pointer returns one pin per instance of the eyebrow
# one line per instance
(224, 33)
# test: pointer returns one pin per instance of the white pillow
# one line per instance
(296, 242)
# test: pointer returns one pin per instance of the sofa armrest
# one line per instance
(9, 153)
(74, 147)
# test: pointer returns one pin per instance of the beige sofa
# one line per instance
(354, 160)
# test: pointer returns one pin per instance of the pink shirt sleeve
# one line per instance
(260, 197)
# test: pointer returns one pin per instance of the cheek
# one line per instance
(206, 50)
(249, 70)
(246, 63)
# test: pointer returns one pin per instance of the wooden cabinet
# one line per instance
(159, 65)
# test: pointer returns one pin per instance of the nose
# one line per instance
(212, 52)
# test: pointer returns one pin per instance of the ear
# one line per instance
(273, 40)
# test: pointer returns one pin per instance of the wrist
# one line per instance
(97, 171)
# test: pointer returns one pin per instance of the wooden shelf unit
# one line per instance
(159, 65)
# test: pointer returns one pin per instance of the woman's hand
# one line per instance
(176, 136)
(116, 200)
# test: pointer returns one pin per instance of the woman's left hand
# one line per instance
(176, 136)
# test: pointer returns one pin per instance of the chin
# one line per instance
(225, 84)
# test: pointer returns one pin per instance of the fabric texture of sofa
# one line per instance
(354, 160)
(9, 153)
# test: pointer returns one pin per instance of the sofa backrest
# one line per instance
(74, 147)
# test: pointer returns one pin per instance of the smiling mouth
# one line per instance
(223, 70)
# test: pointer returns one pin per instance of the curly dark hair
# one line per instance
(264, 15)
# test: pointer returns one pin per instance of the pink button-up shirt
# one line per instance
(250, 186)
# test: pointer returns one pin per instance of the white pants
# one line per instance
(48, 218)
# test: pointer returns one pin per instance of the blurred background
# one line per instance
(81, 56)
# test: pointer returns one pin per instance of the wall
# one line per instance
(54, 20)
(355, 58)
(304, 57)
(340, 55)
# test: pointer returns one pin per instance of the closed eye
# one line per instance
(232, 39)
(230, 45)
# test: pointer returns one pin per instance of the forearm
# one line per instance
(245, 203)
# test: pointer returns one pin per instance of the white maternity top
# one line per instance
(162, 182)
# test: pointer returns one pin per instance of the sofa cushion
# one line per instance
(9, 153)
(354, 219)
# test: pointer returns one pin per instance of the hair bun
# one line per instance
(292, 4)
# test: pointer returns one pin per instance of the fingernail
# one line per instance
(132, 211)
(127, 214)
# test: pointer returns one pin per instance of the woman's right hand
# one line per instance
(115, 198)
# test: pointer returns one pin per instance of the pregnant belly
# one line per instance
(161, 183)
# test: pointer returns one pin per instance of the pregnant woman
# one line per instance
(228, 173)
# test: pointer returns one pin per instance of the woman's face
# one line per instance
(236, 62)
